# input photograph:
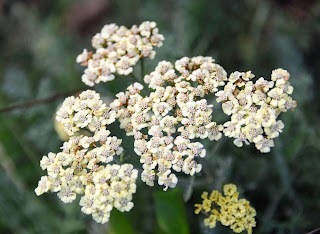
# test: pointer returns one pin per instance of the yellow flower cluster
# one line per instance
(228, 209)
(118, 49)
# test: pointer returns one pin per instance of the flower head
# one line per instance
(118, 49)
(255, 107)
(228, 209)
(174, 115)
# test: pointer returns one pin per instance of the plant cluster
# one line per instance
(167, 123)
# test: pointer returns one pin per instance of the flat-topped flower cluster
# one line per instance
(255, 106)
(85, 112)
(228, 209)
(167, 125)
(118, 49)
(83, 167)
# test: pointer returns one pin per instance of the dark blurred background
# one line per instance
(39, 41)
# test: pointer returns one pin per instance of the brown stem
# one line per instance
(32, 103)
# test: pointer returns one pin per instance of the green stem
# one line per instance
(121, 157)
(189, 189)
(136, 78)
(142, 68)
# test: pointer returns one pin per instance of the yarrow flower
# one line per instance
(85, 112)
(255, 107)
(118, 49)
(83, 166)
(227, 209)
(166, 124)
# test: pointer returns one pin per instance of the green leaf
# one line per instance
(120, 223)
(170, 211)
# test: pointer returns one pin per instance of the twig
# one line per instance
(32, 103)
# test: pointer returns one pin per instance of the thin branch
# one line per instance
(35, 102)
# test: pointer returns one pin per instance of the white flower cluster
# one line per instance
(81, 168)
(112, 187)
(118, 49)
(83, 165)
(254, 107)
(166, 123)
(85, 112)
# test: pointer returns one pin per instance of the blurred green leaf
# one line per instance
(170, 212)
(120, 223)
